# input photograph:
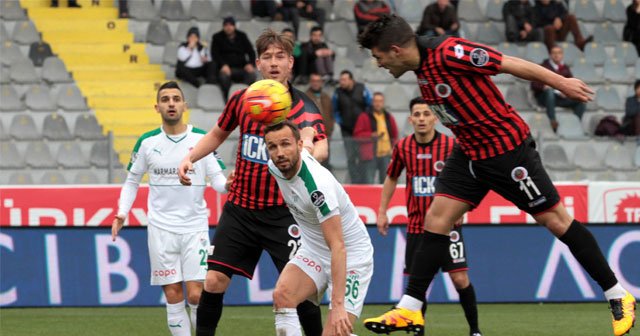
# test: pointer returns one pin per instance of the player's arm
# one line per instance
(332, 231)
(388, 188)
(573, 88)
(209, 142)
(215, 167)
(128, 195)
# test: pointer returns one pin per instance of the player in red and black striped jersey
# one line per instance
(423, 155)
(496, 152)
(255, 218)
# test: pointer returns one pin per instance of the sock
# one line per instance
(411, 303)
(424, 309)
(310, 318)
(431, 254)
(193, 312)
(178, 320)
(287, 322)
(615, 292)
(209, 312)
(585, 249)
(470, 307)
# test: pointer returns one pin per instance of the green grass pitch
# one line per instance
(442, 319)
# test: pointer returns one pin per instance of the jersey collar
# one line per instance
(189, 128)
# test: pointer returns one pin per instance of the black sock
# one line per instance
(209, 312)
(470, 307)
(431, 254)
(310, 318)
(585, 249)
(424, 308)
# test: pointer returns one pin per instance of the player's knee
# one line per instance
(557, 221)
(282, 297)
(216, 282)
(437, 223)
(173, 293)
(193, 298)
(460, 279)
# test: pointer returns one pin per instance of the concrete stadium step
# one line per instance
(115, 103)
(89, 75)
(56, 37)
(54, 24)
(131, 116)
(85, 13)
(103, 59)
(100, 48)
(110, 67)
(29, 4)
(117, 87)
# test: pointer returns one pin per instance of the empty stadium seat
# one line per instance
(38, 155)
(53, 177)
(23, 127)
(608, 99)
(202, 10)
(570, 127)
(469, 10)
(4, 34)
(170, 53)
(4, 75)
(585, 157)
(25, 33)
(536, 52)
(586, 10)
(23, 72)
(540, 126)
(12, 11)
(411, 10)
(606, 176)
(571, 52)
(234, 87)
(494, 10)
(10, 99)
(70, 156)
(55, 127)
(87, 127)
(118, 176)
(54, 71)
(555, 157)
(594, 52)
(344, 63)
(408, 77)
(488, 33)
(396, 97)
(38, 98)
(605, 33)
(636, 158)
(210, 97)
(86, 177)
(339, 33)
(344, 10)
(172, 10)
(71, 99)
(142, 10)
(614, 10)
(357, 54)
(99, 155)
(158, 32)
(11, 53)
(234, 8)
(627, 52)
(518, 97)
(511, 49)
(586, 71)
(20, 178)
(338, 155)
(11, 158)
(4, 135)
(616, 71)
(619, 157)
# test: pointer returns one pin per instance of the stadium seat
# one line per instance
(540, 126)
(183, 29)
(571, 52)
(536, 52)
(518, 97)
(511, 49)
(614, 10)
(118, 176)
(594, 52)
(190, 93)
(396, 97)
(616, 71)
(71, 99)
(606, 176)
(371, 73)
(38, 98)
(210, 97)
(23, 72)
(70, 156)
(570, 127)
(343, 10)
(638, 68)
(38, 155)
(408, 77)
(338, 155)
(337, 133)
(358, 55)
(25, 33)
(488, 33)
(24, 128)
(170, 53)
(585, 157)
(172, 10)
(4, 135)
(142, 10)
(253, 30)
(38, 52)
(619, 157)
(202, 10)
(586, 71)
(54, 71)
(411, 10)
(468, 10)
(555, 157)
(339, 33)
(586, 10)
(99, 155)
(55, 128)
(636, 159)
(86, 177)
(234, 8)
(158, 32)
(494, 10)
(11, 53)
(608, 99)
(10, 99)
(11, 10)
(234, 87)
(11, 158)
(278, 26)
(627, 52)
(20, 178)
(605, 33)
(4, 34)
(87, 127)
(4, 75)
(344, 63)
(227, 151)
(53, 177)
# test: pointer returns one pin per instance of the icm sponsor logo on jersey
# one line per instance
(254, 148)
(424, 185)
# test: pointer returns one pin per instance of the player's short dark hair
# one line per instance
(416, 101)
(346, 72)
(169, 85)
(386, 31)
(315, 29)
(378, 93)
(281, 125)
(556, 46)
(270, 37)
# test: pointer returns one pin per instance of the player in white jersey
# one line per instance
(178, 232)
(336, 252)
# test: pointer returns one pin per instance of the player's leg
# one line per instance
(328, 325)
(194, 268)
(294, 286)
(177, 317)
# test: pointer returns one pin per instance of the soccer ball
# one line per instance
(267, 101)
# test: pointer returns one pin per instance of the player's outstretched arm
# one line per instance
(573, 88)
(210, 142)
(388, 188)
(128, 195)
(332, 231)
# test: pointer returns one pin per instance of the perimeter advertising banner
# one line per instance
(508, 263)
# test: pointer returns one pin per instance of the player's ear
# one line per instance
(156, 107)
(290, 62)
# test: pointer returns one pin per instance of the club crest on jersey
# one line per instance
(254, 149)
(424, 156)
(317, 198)
(454, 236)
(423, 185)
(479, 57)
(519, 173)
(294, 231)
(443, 90)
(438, 166)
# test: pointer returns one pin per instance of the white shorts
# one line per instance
(177, 257)
(358, 279)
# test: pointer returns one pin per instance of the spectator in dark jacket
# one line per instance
(349, 100)
(520, 22)
(234, 55)
(316, 56)
(263, 8)
(556, 22)
(366, 11)
(376, 133)
(550, 98)
(439, 18)
(292, 10)
(631, 119)
(631, 30)
(323, 101)
(194, 61)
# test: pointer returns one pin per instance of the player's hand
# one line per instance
(575, 89)
(185, 167)
(116, 226)
(230, 178)
(340, 324)
(383, 223)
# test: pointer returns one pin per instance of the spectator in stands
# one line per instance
(376, 132)
(520, 23)
(556, 23)
(194, 61)
(631, 30)
(292, 10)
(308, 9)
(39, 51)
(548, 97)
(323, 101)
(297, 52)
(439, 18)
(631, 119)
(366, 11)
(233, 53)
(349, 100)
(70, 3)
(316, 56)
(263, 8)
(123, 9)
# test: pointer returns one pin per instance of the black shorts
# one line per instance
(517, 175)
(242, 234)
(457, 251)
